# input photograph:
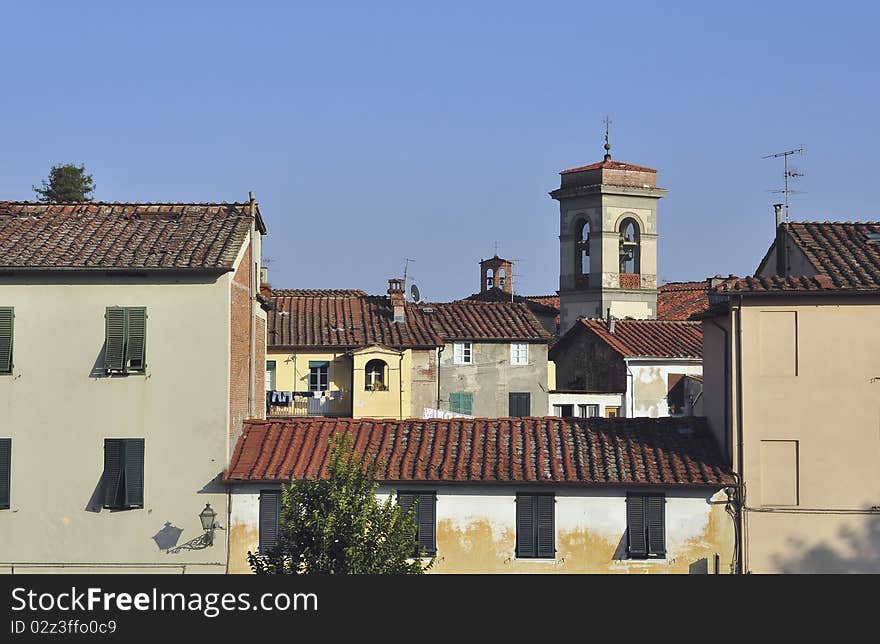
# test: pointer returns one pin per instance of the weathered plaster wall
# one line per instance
(587, 364)
(603, 400)
(476, 531)
(650, 385)
(491, 378)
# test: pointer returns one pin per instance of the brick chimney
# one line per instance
(398, 299)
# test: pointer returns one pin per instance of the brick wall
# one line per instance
(239, 347)
(588, 364)
(260, 410)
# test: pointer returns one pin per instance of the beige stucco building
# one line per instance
(530, 495)
(792, 393)
(136, 352)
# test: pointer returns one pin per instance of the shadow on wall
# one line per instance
(853, 551)
(168, 536)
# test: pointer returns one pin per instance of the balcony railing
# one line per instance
(630, 280)
(301, 404)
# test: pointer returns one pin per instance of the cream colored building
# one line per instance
(137, 346)
(792, 392)
(515, 510)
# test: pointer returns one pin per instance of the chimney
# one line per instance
(398, 299)
(265, 287)
(610, 322)
(777, 207)
(715, 281)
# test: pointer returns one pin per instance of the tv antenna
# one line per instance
(787, 174)
(406, 261)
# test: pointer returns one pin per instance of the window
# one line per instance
(588, 411)
(319, 375)
(519, 353)
(612, 412)
(270, 375)
(490, 278)
(462, 353)
(502, 275)
(646, 525)
(7, 316)
(535, 531)
(566, 411)
(5, 471)
(519, 404)
(630, 253)
(425, 517)
(375, 376)
(461, 402)
(123, 478)
(125, 339)
(270, 512)
(582, 253)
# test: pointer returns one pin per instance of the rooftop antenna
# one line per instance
(513, 272)
(787, 174)
(406, 261)
(607, 144)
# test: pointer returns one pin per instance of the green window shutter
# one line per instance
(636, 537)
(455, 402)
(136, 340)
(544, 522)
(134, 472)
(467, 403)
(112, 476)
(427, 513)
(114, 347)
(519, 404)
(7, 317)
(5, 471)
(525, 525)
(655, 519)
(270, 512)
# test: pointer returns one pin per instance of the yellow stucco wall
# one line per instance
(396, 400)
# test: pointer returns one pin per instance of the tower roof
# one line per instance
(610, 165)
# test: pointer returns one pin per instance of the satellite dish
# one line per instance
(414, 291)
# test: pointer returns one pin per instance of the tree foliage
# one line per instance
(67, 183)
(340, 526)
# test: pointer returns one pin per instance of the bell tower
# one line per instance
(496, 272)
(607, 240)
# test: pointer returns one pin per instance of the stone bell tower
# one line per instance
(496, 273)
(607, 240)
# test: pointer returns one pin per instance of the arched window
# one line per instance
(502, 274)
(630, 251)
(375, 375)
(490, 278)
(582, 258)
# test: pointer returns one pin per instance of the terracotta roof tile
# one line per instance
(842, 251)
(681, 300)
(609, 165)
(777, 284)
(144, 236)
(589, 451)
(316, 292)
(649, 338)
(473, 320)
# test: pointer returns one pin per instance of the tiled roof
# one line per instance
(649, 338)
(344, 322)
(496, 294)
(681, 300)
(355, 321)
(316, 292)
(550, 301)
(472, 320)
(588, 451)
(610, 165)
(141, 236)
(777, 284)
(840, 250)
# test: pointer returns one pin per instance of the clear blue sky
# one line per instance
(371, 132)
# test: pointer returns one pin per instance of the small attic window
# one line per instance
(873, 237)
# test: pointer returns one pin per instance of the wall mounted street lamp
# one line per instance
(207, 517)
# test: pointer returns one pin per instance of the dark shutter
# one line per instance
(136, 330)
(112, 477)
(427, 520)
(545, 505)
(467, 403)
(637, 545)
(519, 404)
(525, 525)
(5, 471)
(270, 511)
(405, 500)
(114, 346)
(6, 322)
(655, 513)
(134, 472)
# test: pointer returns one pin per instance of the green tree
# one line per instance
(67, 183)
(339, 526)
